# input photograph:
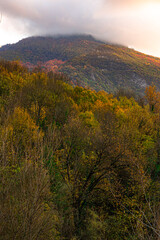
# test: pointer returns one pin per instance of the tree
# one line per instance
(89, 158)
(26, 210)
(153, 98)
(20, 138)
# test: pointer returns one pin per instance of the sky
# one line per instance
(133, 23)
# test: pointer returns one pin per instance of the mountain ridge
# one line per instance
(87, 61)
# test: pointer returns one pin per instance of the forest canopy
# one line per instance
(76, 163)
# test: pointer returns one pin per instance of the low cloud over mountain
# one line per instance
(133, 23)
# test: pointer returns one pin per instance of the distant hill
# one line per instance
(87, 61)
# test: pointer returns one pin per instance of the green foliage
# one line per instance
(75, 163)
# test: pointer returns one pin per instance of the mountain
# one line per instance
(88, 62)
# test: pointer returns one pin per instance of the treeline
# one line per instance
(75, 163)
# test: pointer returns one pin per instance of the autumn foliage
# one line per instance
(76, 163)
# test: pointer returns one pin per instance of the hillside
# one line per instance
(88, 62)
(76, 163)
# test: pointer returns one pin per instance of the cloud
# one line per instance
(66, 16)
(129, 22)
(54, 16)
(128, 3)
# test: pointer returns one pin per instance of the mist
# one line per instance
(127, 22)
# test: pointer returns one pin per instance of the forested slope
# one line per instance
(75, 163)
(88, 62)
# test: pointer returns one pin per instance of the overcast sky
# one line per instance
(135, 23)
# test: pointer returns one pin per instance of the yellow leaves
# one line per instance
(99, 104)
(101, 107)
(153, 98)
(23, 124)
(34, 109)
(120, 112)
(39, 78)
(112, 104)
(20, 135)
(150, 93)
(88, 119)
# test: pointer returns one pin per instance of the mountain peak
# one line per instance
(87, 61)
